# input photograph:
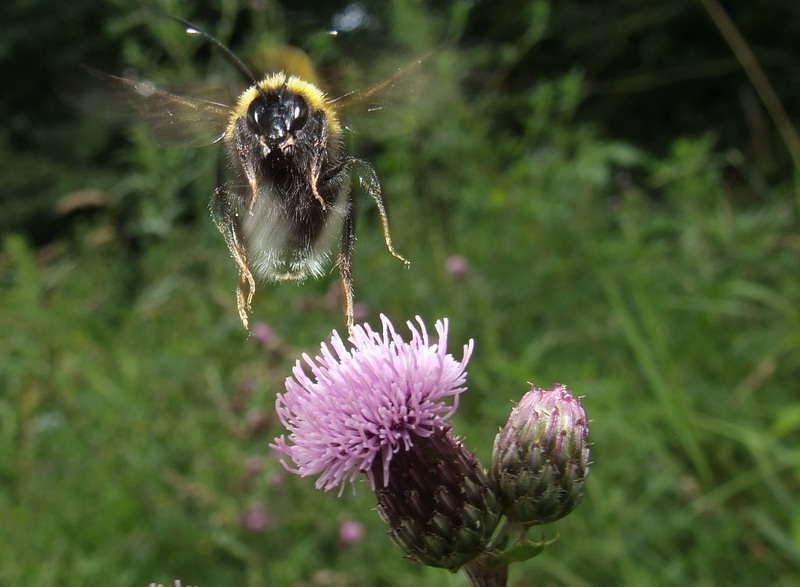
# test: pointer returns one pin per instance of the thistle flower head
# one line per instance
(541, 457)
(440, 506)
(361, 406)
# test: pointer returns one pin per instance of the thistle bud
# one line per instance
(438, 503)
(541, 457)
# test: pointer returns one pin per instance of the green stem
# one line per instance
(501, 536)
(484, 572)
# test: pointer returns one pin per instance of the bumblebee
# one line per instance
(293, 200)
(285, 140)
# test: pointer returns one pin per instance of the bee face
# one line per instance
(277, 118)
(281, 111)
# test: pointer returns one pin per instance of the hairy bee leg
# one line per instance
(316, 162)
(314, 191)
(249, 169)
(253, 197)
(369, 180)
(222, 210)
(345, 263)
(243, 303)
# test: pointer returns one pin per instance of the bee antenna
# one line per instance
(284, 87)
(227, 53)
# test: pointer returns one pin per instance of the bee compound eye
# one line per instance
(255, 114)
(299, 112)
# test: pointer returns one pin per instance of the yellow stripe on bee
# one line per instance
(316, 98)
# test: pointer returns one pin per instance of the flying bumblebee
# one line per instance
(293, 200)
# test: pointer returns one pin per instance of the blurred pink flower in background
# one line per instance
(350, 532)
(457, 266)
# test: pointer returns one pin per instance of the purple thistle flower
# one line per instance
(367, 403)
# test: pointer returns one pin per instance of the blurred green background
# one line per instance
(598, 193)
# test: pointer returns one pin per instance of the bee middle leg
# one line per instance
(224, 212)
(369, 181)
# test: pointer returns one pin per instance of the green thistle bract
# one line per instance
(439, 504)
(541, 457)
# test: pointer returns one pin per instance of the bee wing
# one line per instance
(367, 96)
(172, 118)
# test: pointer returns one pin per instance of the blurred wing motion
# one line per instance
(367, 96)
(171, 118)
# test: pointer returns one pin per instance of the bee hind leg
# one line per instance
(223, 210)
(244, 300)
(345, 263)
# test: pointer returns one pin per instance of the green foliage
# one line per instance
(659, 278)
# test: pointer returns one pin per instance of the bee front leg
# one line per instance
(226, 217)
(248, 160)
(320, 146)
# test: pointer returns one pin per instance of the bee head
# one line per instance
(277, 109)
(276, 117)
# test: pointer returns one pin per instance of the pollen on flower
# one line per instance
(367, 402)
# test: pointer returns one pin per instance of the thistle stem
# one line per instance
(483, 573)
